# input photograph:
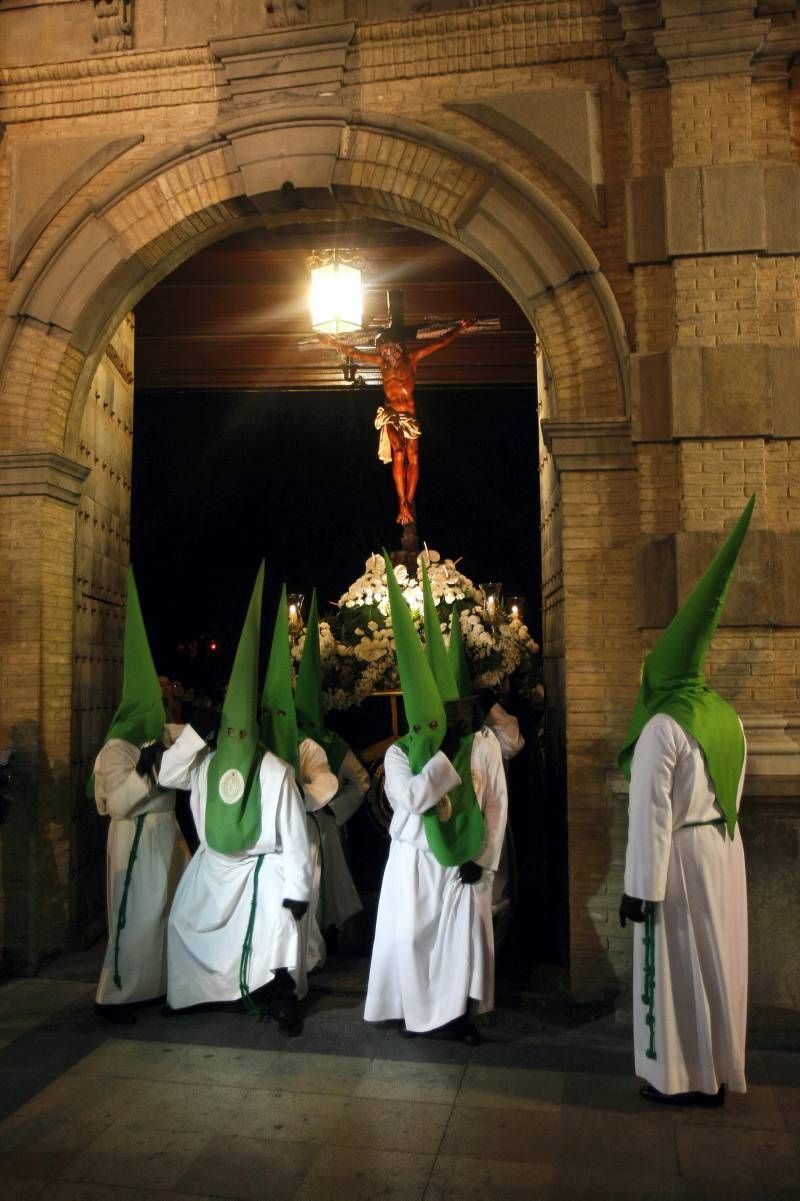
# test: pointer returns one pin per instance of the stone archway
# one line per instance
(264, 168)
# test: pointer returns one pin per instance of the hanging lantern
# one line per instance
(335, 298)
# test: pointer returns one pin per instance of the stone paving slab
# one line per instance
(219, 1105)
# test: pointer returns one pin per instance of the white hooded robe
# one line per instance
(319, 786)
(696, 876)
(434, 944)
(212, 905)
(505, 728)
(123, 795)
(339, 899)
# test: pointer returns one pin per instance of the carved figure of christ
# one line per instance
(397, 419)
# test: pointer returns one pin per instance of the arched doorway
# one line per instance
(253, 171)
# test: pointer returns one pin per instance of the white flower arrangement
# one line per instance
(357, 645)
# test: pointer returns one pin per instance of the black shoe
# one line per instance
(120, 1015)
(470, 1035)
(291, 1027)
(285, 1012)
(167, 1011)
(703, 1100)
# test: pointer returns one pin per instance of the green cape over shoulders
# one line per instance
(673, 679)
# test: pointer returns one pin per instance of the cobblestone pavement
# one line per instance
(220, 1105)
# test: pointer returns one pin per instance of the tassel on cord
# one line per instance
(247, 947)
(649, 974)
(122, 913)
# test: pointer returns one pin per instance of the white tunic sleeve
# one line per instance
(179, 759)
(650, 810)
(119, 789)
(353, 785)
(318, 782)
(292, 829)
(493, 797)
(417, 793)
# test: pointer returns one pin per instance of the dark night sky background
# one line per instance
(222, 479)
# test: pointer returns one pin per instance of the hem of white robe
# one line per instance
(226, 995)
(669, 1078)
(647, 1069)
(107, 992)
(387, 1009)
(342, 914)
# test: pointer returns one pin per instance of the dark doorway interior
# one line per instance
(222, 479)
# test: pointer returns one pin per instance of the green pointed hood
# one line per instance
(233, 793)
(457, 656)
(456, 833)
(308, 694)
(278, 715)
(673, 678)
(421, 698)
(435, 649)
(140, 716)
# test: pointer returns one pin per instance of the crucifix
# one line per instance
(397, 353)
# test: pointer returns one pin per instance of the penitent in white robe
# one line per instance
(319, 786)
(505, 728)
(433, 956)
(123, 795)
(211, 910)
(696, 876)
(339, 899)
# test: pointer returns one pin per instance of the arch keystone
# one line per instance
(266, 167)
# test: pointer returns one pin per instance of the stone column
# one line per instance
(596, 466)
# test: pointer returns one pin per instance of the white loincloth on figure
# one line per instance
(434, 944)
(388, 418)
(123, 795)
(696, 875)
(212, 905)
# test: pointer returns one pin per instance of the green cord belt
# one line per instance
(247, 946)
(649, 975)
(649, 960)
(122, 913)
